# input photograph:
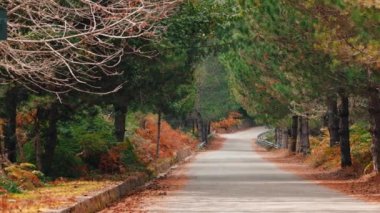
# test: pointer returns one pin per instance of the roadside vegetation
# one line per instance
(310, 70)
(91, 95)
(100, 90)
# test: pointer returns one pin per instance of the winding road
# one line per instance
(236, 179)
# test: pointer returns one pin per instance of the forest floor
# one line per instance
(366, 187)
(53, 195)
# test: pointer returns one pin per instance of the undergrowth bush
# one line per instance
(171, 140)
(81, 143)
(360, 138)
(321, 152)
(81, 140)
(8, 185)
(86, 145)
(120, 159)
(227, 124)
(322, 155)
(67, 163)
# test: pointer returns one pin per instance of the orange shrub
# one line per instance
(324, 156)
(233, 120)
(119, 159)
(25, 118)
(171, 140)
(110, 162)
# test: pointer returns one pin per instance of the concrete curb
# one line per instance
(101, 199)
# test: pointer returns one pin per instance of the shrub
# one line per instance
(329, 157)
(170, 143)
(232, 121)
(119, 159)
(321, 152)
(360, 139)
(66, 163)
(9, 185)
(24, 178)
(82, 141)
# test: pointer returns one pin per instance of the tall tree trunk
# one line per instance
(204, 127)
(158, 135)
(294, 130)
(344, 131)
(119, 121)
(9, 128)
(37, 138)
(51, 138)
(204, 131)
(333, 121)
(209, 128)
(276, 136)
(284, 137)
(299, 136)
(193, 126)
(305, 135)
(374, 111)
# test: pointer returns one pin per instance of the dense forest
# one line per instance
(108, 87)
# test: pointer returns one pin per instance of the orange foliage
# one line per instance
(2, 123)
(23, 119)
(171, 140)
(232, 120)
(111, 162)
(326, 157)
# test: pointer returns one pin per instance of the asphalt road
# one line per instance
(236, 179)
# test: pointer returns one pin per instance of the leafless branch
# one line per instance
(66, 45)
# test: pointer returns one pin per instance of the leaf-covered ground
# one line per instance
(55, 195)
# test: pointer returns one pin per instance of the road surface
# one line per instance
(236, 179)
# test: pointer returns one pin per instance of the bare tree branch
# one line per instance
(63, 45)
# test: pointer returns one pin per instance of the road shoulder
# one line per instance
(366, 188)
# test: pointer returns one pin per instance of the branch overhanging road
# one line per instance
(236, 179)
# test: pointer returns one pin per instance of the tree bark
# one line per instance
(299, 136)
(37, 138)
(193, 126)
(305, 149)
(333, 121)
(344, 131)
(158, 135)
(284, 138)
(51, 138)
(293, 140)
(204, 131)
(196, 124)
(277, 136)
(119, 121)
(374, 111)
(204, 127)
(208, 128)
(9, 128)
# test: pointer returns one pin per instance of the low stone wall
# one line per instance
(102, 199)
